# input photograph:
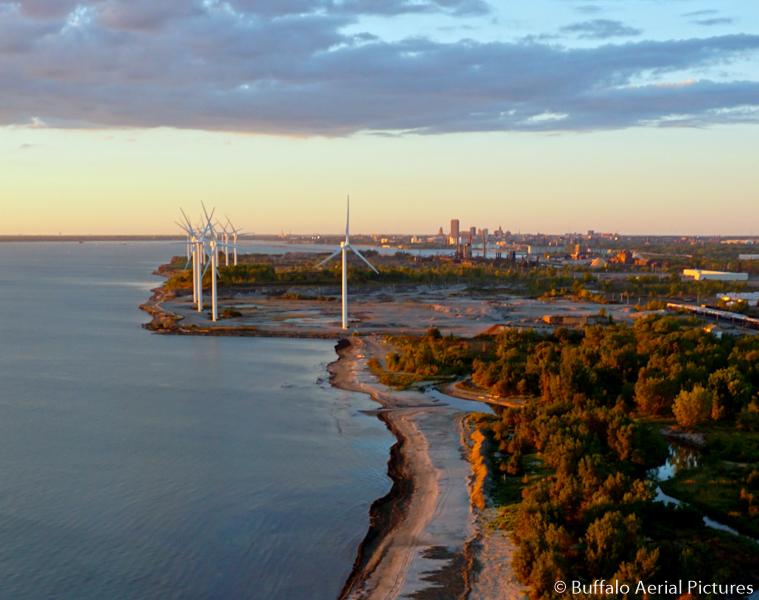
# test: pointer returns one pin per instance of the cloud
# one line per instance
(714, 21)
(289, 67)
(700, 13)
(601, 29)
(589, 9)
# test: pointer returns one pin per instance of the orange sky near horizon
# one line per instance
(632, 181)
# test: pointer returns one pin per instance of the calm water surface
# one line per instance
(141, 466)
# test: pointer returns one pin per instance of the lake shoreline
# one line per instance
(399, 520)
(426, 539)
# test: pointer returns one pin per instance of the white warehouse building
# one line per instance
(700, 275)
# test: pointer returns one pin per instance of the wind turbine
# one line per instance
(235, 233)
(226, 245)
(211, 248)
(204, 243)
(194, 243)
(344, 247)
(211, 245)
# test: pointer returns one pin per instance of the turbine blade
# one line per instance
(208, 218)
(335, 253)
(361, 256)
(189, 224)
(348, 220)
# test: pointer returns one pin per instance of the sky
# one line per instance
(553, 116)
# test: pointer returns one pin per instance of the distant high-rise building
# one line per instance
(455, 229)
(473, 231)
(441, 232)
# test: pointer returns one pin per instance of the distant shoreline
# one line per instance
(92, 238)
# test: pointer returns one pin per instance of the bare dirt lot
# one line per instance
(452, 310)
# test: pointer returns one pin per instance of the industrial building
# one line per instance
(701, 275)
(750, 296)
(731, 297)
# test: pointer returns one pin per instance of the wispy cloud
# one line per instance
(713, 21)
(288, 67)
(601, 29)
(701, 13)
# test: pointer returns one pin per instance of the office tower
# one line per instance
(455, 229)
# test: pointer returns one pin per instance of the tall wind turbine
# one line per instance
(194, 242)
(205, 243)
(211, 248)
(344, 247)
(234, 232)
(212, 245)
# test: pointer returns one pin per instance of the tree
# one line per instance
(693, 406)
(654, 391)
(609, 541)
(731, 392)
(433, 333)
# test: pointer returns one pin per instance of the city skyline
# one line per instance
(559, 116)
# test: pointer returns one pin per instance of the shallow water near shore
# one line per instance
(138, 466)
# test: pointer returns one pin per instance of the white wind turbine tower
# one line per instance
(224, 235)
(194, 242)
(211, 247)
(344, 247)
(235, 233)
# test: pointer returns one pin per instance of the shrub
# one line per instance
(433, 333)
(748, 419)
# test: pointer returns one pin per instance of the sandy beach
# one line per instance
(424, 540)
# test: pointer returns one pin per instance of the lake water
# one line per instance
(138, 466)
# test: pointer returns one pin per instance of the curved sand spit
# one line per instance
(424, 540)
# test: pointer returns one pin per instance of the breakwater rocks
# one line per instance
(163, 320)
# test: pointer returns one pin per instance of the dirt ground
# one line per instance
(452, 310)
